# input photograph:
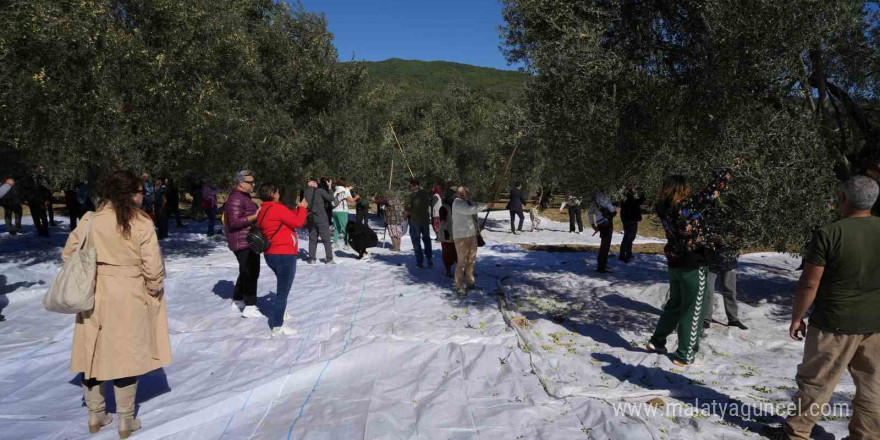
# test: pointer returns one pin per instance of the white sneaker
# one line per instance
(331, 262)
(251, 312)
(283, 331)
(237, 306)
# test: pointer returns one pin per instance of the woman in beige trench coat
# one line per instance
(126, 334)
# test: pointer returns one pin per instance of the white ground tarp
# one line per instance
(385, 351)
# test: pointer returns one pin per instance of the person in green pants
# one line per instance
(687, 254)
(341, 200)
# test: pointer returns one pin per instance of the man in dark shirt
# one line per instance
(418, 209)
(515, 206)
(630, 215)
(842, 278)
(172, 196)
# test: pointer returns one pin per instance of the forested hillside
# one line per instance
(430, 77)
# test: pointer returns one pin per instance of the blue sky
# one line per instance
(463, 31)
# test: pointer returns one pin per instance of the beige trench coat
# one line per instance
(126, 334)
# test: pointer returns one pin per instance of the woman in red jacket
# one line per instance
(279, 224)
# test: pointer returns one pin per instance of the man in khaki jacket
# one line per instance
(842, 278)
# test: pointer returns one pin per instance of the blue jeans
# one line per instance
(212, 217)
(423, 232)
(284, 267)
(630, 229)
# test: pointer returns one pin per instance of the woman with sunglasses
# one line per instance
(241, 212)
(126, 334)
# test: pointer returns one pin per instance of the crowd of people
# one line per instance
(33, 190)
(839, 281)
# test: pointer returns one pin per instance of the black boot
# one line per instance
(737, 323)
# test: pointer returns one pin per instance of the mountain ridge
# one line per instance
(428, 77)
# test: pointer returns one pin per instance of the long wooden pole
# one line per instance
(399, 146)
(498, 186)
(390, 179)
(391, 175)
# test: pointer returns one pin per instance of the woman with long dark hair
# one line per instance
(687, 254)
(126, 334)
(279, 225)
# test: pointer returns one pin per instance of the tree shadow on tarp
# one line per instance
(150, 386)
(683, 388)
(602, 318)
(190, 245)
(29, 249)
(756, 282)
(493, 225)
(414, 278)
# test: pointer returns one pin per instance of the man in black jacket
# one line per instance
(515, 206)
(172, 197)
(630, 216)
(42, 185)
(36, 199)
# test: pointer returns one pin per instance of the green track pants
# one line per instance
(340, 221)
(688, 302)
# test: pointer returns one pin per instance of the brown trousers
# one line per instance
(826, 356)
(466, 248)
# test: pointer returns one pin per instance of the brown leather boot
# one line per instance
(98, 417)
(125, 403)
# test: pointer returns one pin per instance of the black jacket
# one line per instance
(517, 201)
(172, 195)
(631, 208)
(361, 237)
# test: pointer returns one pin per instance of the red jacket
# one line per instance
(283, 240)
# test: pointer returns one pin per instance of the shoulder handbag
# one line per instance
(255, 238)
(480, 241)
(73, 290)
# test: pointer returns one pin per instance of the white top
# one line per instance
(436, 203)
(340, 198)
(463, 223)
(595, 215)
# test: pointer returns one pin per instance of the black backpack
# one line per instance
(257, 240)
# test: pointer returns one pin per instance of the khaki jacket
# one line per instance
(126, 334)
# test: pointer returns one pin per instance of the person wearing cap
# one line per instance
(241, 212)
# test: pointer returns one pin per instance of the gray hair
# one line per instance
(861, 192)
(240, 176)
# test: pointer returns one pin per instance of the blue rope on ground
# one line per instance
(298, 353)
(326, 365)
